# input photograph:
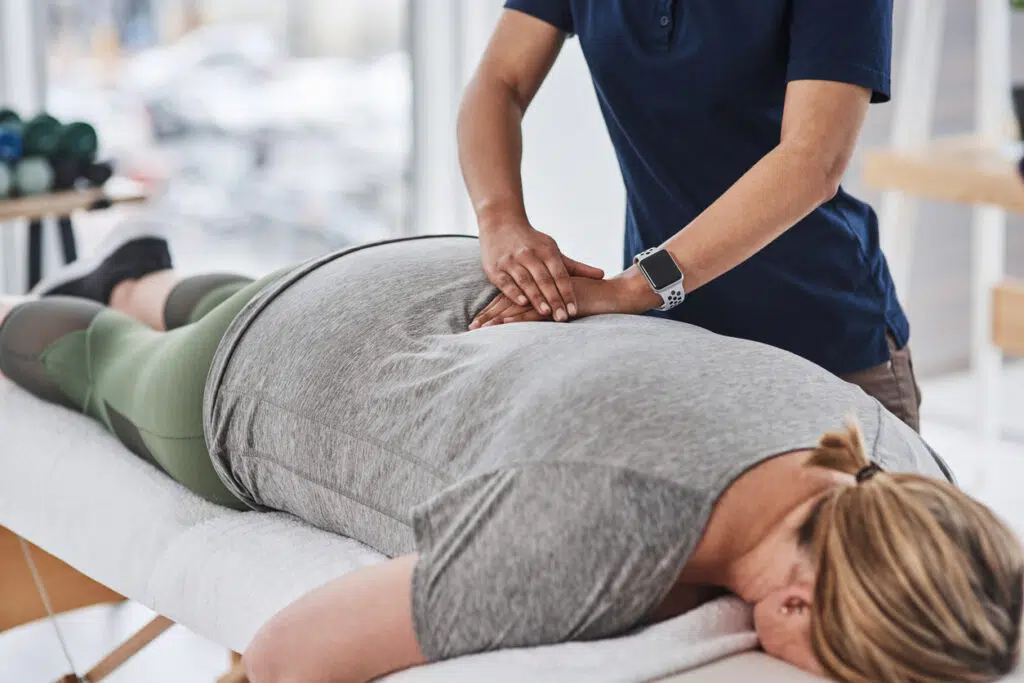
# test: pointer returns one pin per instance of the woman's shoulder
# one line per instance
(898, 448)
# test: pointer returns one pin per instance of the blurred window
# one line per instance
(270, 130)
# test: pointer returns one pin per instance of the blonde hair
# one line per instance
(915, 582)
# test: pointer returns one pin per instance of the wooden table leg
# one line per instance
(131, 647)
(67, 239)
(35, 252)
(20, 602)
(237, 673)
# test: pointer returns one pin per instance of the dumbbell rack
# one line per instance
(62, 205)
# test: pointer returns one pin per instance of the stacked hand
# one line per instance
(538, 282)
(593, 297)
(528, 268)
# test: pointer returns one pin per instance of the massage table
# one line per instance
(69, 488)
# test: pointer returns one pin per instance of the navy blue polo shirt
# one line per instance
(692, 93)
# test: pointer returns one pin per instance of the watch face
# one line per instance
(661, 270)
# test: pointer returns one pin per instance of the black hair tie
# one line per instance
(868, 472)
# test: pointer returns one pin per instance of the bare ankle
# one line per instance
(121, 296)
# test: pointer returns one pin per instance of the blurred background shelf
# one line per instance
(117, 191)
(975, 170)
(958, 169)
(1008, 317)
(62, 206)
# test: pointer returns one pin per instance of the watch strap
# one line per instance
(671, 296)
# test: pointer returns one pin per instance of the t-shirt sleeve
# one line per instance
(546, 553)
(849, 41)
(558, 13)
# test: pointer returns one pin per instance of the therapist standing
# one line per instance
(734, 122)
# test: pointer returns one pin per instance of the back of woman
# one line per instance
(356, 381)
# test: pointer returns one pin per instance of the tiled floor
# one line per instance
(992, 472)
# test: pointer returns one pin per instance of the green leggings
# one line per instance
(145, 386)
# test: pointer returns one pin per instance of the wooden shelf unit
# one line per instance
(964, 171)
(62, 206)
(958, 169)
(117, 191)
(974, 170)
(1008, 317)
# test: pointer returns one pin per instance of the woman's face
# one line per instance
(783, 624)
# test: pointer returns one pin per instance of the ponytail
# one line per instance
(842, 451)
(915, 581)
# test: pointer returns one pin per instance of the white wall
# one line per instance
(571, 179)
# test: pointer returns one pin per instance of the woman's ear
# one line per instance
(797, 599)
(783, 623)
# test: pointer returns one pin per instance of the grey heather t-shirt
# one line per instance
(554, 478)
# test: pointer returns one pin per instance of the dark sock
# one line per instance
(133, 260)
(194, 297)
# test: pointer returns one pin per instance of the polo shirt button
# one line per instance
(665, 21)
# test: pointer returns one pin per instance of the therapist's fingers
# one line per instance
(499, 302)
(504, 281)
(496, 317)
(552, 302)
(512, 312)
(524, 278)
(560, 274)
(579, 269)
(497, 308)
(530, 316)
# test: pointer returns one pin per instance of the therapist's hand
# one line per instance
(627, 293)
(530, 270)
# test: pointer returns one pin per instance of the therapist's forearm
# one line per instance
(820, 126)
(778, 192)
(491, 150)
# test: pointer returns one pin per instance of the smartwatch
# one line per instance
(663, 275)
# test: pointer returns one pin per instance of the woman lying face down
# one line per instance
(906, 579)
(536, 483)
(860, 575)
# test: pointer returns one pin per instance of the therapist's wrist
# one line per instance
(636, 295)
(501, 215)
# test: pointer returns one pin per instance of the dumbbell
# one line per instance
(77, 141)
(9, 116)
(11, 143)
(97, 174)
(69, 174)
(45, 136)
(33, 175)
(66, 173)
(42, 136)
